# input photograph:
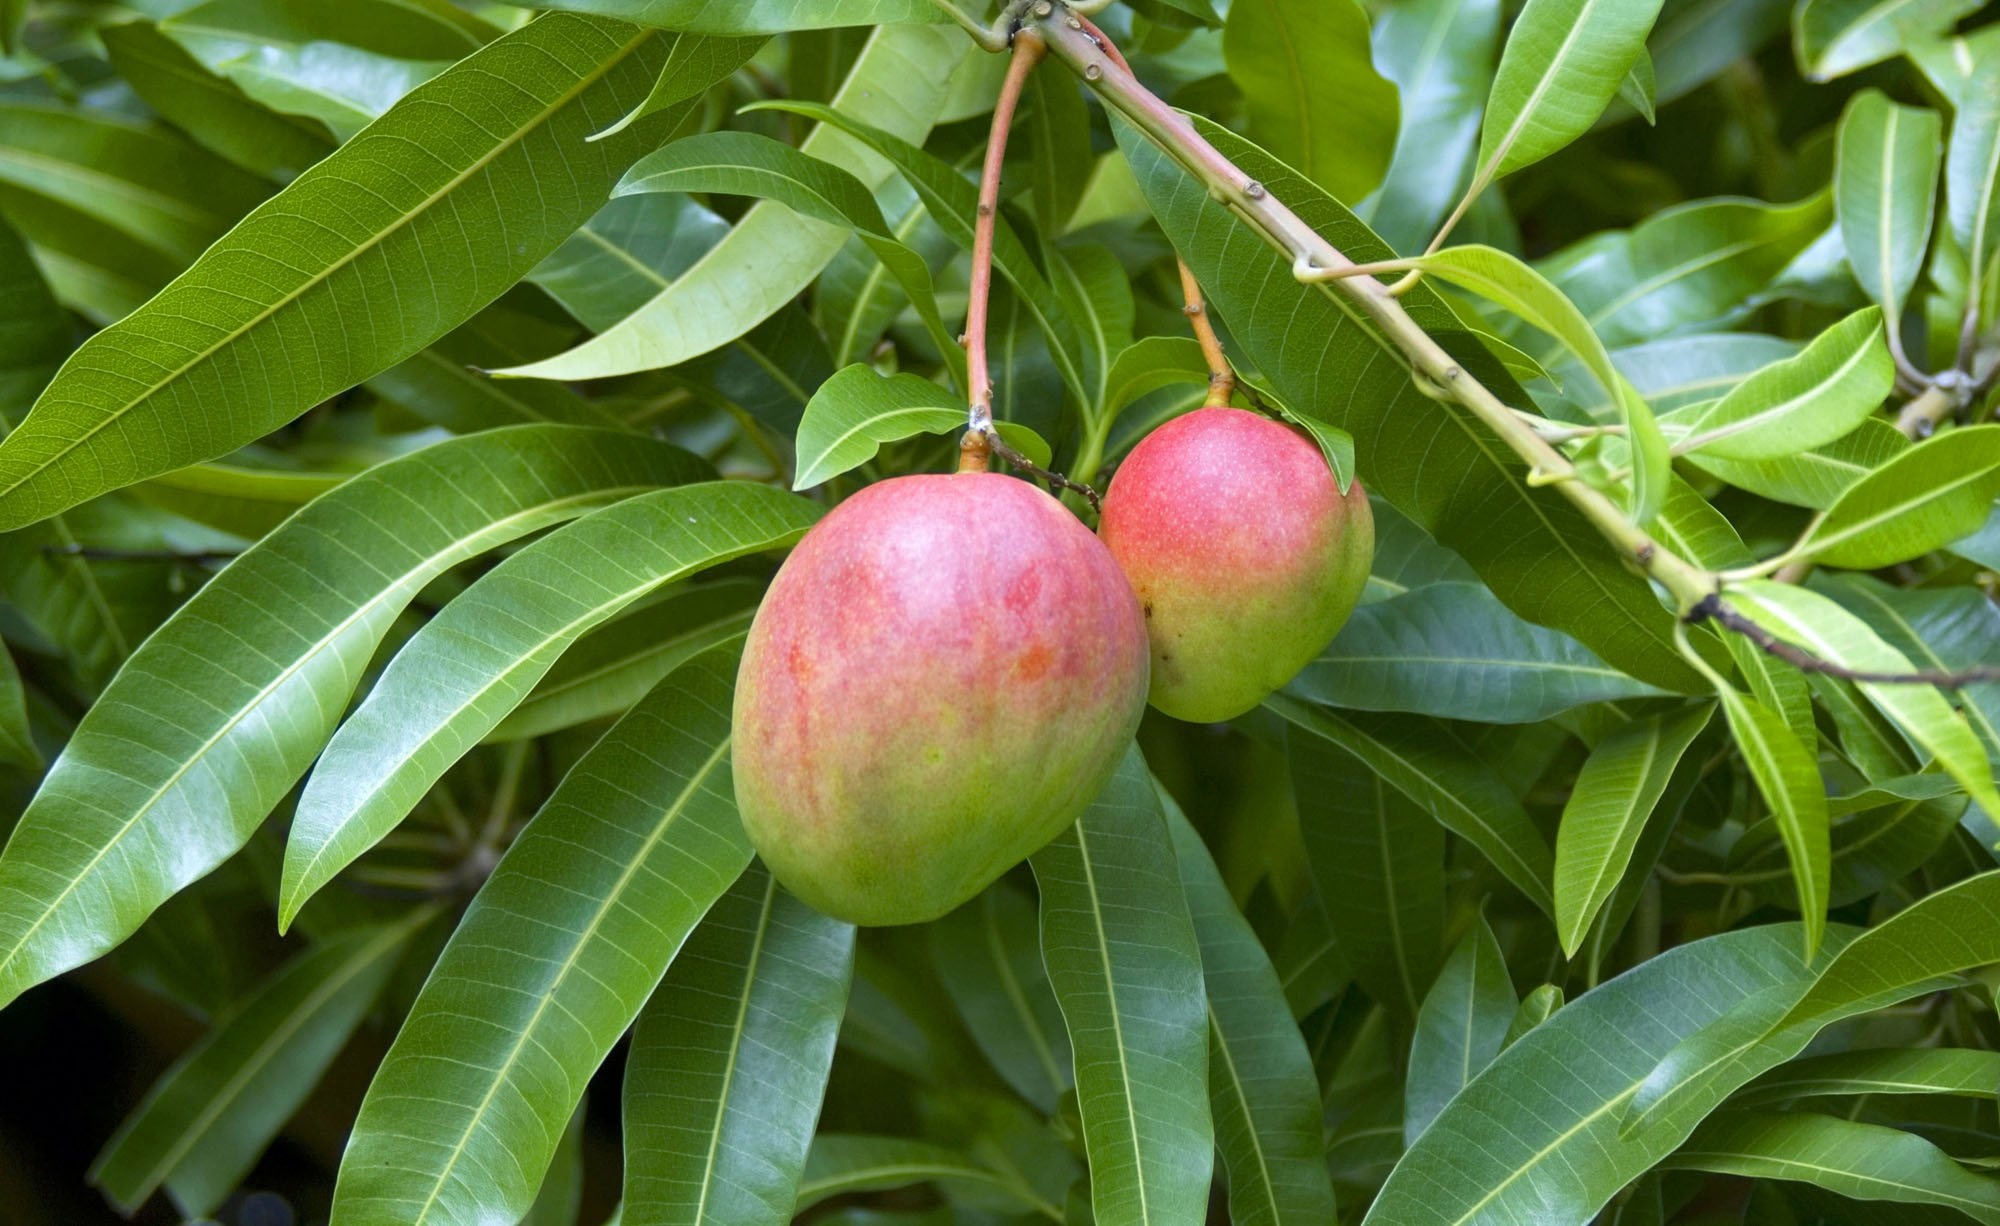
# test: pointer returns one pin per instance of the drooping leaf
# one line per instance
(1834, 37)
(1535, 1136)
(198, 738)
(772, 253)
(245, 502)
(1562, 65)
(1919, 500)
(474, 662)
(1802, 402)
(206, 366)
(1887, 1070)
(1538, 1006)
(1857, 1160)
(1435, 463)
(854, 413)
(1463, 1024)
(1441, 56)
(730, 1058)
(1423, 761)
(1261, 1088)
(990, 963)
(841, 1163)
(1609, 806)
(1943, 933)
(1639, 86)
(1812, 478)
(755, 16)
(1280, 53)
(1884, 187)
(551, 963)
(1058, 130)
(1127, 971)
(693, 65)
(1788, 778)
(208, 1118)
(1942, 628)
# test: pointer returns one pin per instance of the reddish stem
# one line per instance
(1221, 379)
(977, 444)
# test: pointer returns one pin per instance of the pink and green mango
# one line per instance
(1246, 557)
(943, 675)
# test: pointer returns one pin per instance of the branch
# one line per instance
(975, 446)
(1221, 379)
(1713, 609)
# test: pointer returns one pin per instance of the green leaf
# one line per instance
(613, 666)
(746, 164)
(771, 254)
(1281, 53)
(1261, 1088)
(694, 65)
(1058, 127)
(208, 365)
(1802, 402)
(1952, 930)
(1149, 364)
(561, 1196)
(952, 201)
(755, 16)
(198, 738)
(1684, 370)
(854, 413)
(473, 663)
(1972, 163)
(1922, 499)
(1463, 1024)
(1889, 1070)
(1941, 628)
(1832, 38)
(1377, 862)
(1513, 285)
(1428, 458)
(551, 963)
(445, 384)
(729, 1061)
(1537, 1007)
(1562, 65)
(1859, 1161)
(209, 107)
(1126, 968)
(207, 1119)
(989, 961)
(1639, 86)
(1788, 778)
(1815, 478)
(839, 1164)
(1440, 54)
(1336, 446)
(1694, 264)
(245, 502)
(1884, 189)
(1428, 764)
(17, 742)
(1830, 632)
(1535, 1136)
(1614, 796)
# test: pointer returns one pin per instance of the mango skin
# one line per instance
(1246, 556)
(943, 675)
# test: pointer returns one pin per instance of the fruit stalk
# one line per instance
(977, 446)
(1221, 378)
(1073, 40)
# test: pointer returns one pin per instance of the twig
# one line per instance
(1713, 609)
(1000, 448)
(1221, 378)
(976, 445)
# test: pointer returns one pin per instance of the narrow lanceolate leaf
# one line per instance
(1562, 66)
(1802, 402)
(1856, 1160)
(1126, 968)
(1429, 459)
(854, 413)
(1535, 1137)
(1832, 38)
(1440, 54)
(474, 662)
(387, 244)
(1972, 164)
(1461, 1027)
(1280, 53)
(1512, 284)
(1884, 189)
(747, 164)
(1788, 778)
(1614, 795)
(729, 1062)
(990, 963)
(1945, 933)
(1938, 628)
(17, 744)
(1377, 861)
(755, 16)
(213, 720)
(1832, 633)
(897, 83)
(1422, 760)
(551, 963)
(205, 1122)
(1922, 499)
(1816, 478)
(1888, 1070)
(1261, 1087)
(840, 1163)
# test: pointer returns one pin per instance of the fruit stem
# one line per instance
(1221, 378)
(977, 445)
(1076, 42)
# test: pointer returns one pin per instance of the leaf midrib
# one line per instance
(1131, 1112)
(749, 970)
